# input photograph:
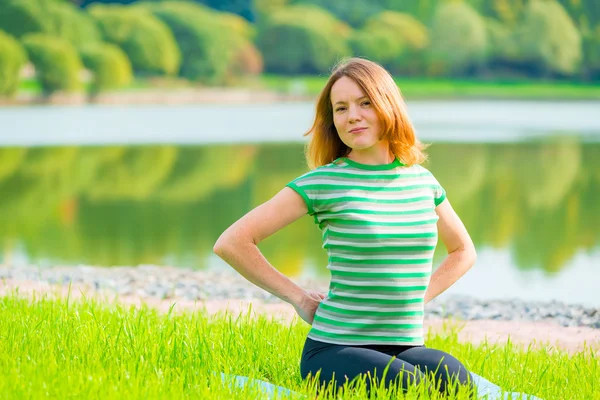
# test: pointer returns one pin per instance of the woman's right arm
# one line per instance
(238, 245)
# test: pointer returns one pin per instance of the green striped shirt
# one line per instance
(379, 228)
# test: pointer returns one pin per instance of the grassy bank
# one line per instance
(62, 349)
(310, 87)
(445, 89)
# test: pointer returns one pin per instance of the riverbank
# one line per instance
(568, 326)
(267, 89)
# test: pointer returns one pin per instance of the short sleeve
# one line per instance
(438, 191)
(298, 189)
(439, 195)
(305, 187)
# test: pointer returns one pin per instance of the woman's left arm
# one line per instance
(460, 248)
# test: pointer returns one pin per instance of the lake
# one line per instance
(131, 185)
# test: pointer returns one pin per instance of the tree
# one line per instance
(548, 37)
(458, 39)
(302, 39)
(56, 62)
(12, 59)
(147, 41)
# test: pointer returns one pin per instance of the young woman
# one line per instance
(381, 213)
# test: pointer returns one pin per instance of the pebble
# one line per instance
(173, 283)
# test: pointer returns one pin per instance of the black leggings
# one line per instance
(346, 362)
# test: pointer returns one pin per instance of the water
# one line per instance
(531, 205)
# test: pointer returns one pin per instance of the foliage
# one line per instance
(148, 42)
(71, 24)
(394, 39)
(12, 59)
(56, 62)
(302, 39)
(352, 12)
(20, 17)
(212, 44)
(591, 43)
(548, 37)
(458, 39)
(109, 64)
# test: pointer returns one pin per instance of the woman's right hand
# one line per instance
(307, 307)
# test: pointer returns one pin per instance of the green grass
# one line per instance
(310, 86)
(419, 88)
(64, 349)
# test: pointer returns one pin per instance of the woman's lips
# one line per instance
(357, 130)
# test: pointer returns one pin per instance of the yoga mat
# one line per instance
(486, 390)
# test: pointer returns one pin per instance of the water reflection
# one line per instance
(168, 204)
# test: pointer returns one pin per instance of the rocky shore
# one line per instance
(151, 283)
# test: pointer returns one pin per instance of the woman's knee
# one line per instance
(351, 365)
(447, 370)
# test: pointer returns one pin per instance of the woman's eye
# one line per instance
(366, 103)
(340, 109)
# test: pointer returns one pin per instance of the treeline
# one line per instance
(219, 42)
(129, 205)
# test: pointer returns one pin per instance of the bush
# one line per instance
(204, 42)
(56, 62)
(353, 12)
(109, 64)
(592, 53)
(458, 39)
(20, 17)
(302, 39)
(68, 22)
(148, 42)
(548, 38)
(12, 59)
(394, 39)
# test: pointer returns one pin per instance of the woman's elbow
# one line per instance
(222, 244)
(471, 256)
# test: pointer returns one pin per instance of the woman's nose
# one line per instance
(353, 114)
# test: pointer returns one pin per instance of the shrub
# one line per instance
(68, 22)
(109, 64)
(56, 62)
(302, 39)
(458, 39)
(148, 42)
(20, 17)
(592, 53)
(548, 37)
(396, 40)
(12, 59)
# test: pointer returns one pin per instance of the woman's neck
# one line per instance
(379, 155)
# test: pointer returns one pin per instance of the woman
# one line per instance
(381, 214)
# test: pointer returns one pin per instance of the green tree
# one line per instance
(20, 17)
(62, 19)
(12, 60)
(548, 37)
(148, 42)
(352, 12)
(458, 39)
(302, 39)
(410, 34)
(56, 62)
(68, 22)
(591, 54)
(109, 64)
(211, 43)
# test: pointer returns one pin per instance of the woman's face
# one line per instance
(354, 116)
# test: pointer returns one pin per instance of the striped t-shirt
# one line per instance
(379, 228)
